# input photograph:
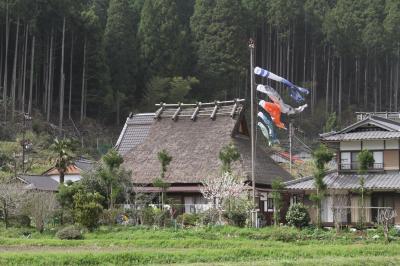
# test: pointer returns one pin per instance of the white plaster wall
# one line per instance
(350, 145)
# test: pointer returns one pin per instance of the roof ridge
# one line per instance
(385, 119)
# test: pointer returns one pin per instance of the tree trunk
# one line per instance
(24, 73)
(14, 75)
(327, 81)
(305, 51)
(5, 85)
(62, 175)
(31, 75)
(366, 84)
(50, 78)
(375, 88)
(5, 210)
(333, 83)
(70, 75)
(340, 89)
(314, 81)
(62, 83)
(357, 82)
(396, 85)
(83, 80)
(118, 105)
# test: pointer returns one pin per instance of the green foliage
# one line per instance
(221, 25)
(88, 209)
(165, 44)
(165, 159)
(112, 159)
(69, 233)
(298, 216)
(322, 155)
(224, 245)
(112, 176)
(167, 89)
(64, 155)
(227, 155)
(23, 220)
(188, 219)
(121, 48)
(277, 188)
(331, 123)
(66, 192)
(236, 217)
(109, 217)
(365, 160)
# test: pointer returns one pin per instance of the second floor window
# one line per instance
(349, 160)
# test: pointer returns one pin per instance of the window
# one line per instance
(345, 160)
(293, 199)
(354, 160)
(269, 203)
(378, 159)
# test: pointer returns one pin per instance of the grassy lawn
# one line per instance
(197, 246)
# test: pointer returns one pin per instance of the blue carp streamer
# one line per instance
(294, 90)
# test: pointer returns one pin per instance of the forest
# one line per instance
(101, 59)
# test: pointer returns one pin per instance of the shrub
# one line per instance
(69, 232)
(188, 219)
(88, 209)
(23, 220)
(210, 217)
(147, 216)
(110, 216)
(297, 215)
(284, 234)
(236, 218)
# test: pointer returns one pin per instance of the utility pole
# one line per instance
(253, 181)
(24, 142)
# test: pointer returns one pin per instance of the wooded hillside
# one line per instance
(105, 58)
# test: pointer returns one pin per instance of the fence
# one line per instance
(351, 214)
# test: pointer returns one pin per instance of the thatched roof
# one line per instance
(195, 144)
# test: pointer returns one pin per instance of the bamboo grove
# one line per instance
(103, 58)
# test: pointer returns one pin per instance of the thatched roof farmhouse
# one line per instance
(193, 134)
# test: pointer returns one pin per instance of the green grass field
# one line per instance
(197, 246)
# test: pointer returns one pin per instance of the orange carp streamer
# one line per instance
(274, 110)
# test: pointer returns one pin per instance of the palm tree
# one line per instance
(64, 156)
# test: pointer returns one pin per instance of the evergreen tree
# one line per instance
(220, 40)
(121, 50)
(164, 40)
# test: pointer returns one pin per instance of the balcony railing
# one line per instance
(356, 167)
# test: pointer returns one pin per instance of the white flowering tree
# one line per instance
(385, 218)
(11, 199)
(222, 189)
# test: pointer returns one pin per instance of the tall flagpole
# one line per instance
(253, 181)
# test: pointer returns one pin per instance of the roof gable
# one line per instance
(372, 123)
(372, 127)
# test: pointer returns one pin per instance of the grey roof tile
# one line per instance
(386, 181)
(366, 135)
(39, 182)
(390, 130)
(135, 131)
